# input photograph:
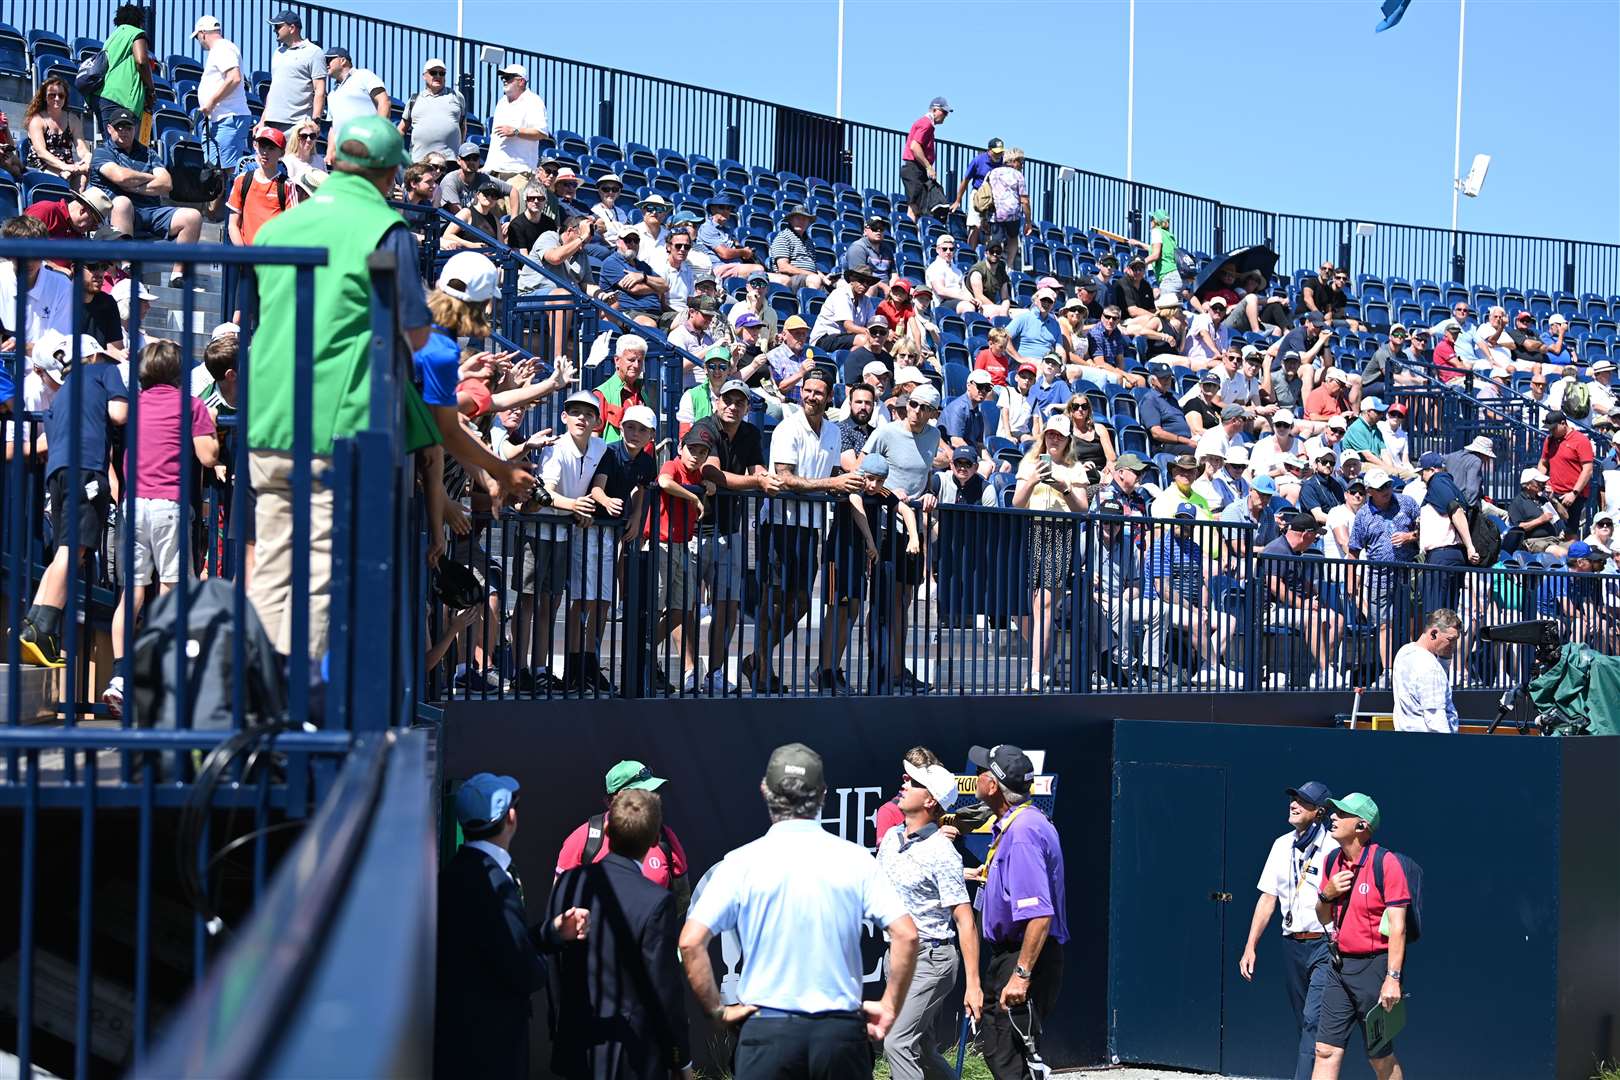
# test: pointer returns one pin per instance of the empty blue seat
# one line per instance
(46, 43)
(38, 184)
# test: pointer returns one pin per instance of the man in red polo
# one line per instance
(1370, 935)
(665, 862)
(1566, 458)
(74, 216)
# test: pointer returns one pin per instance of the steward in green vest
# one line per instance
(624, 387)
(698, 402)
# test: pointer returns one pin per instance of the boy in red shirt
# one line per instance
(680, 508)
(1368, 972)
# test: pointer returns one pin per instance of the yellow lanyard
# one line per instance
(990, 856)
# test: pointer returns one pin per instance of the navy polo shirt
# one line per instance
(1321, 493)
(1158, 409)
(614, 269)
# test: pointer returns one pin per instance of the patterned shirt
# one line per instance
(852, 436)
(1372, 528)
(927, 874)
(1178, 562)
(1106, 345)
(789, 245)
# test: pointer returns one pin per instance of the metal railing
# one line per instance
(693, 120)
(995, 601)
(215, 731)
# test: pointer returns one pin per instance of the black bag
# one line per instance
(197, 179)
(211, 652)
(1414, 884)
(92, 74)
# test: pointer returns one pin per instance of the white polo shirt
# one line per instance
(514, 153)
(1293, 876)
(566, 469)
(799, 899)
(813, 455)
(352, 98)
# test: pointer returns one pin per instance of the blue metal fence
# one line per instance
(222, 786)
(655, 113)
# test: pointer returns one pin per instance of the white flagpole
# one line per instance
(1130, 92)
(838, 105)
(459, 4)
(1456, 150)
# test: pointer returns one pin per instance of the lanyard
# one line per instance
(1340, 912)
(990, 856)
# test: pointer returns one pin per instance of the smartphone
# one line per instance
(1046, 459)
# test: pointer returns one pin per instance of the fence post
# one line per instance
(1569, 266)
(1345, 229)
(1133, 212)
(604, 108)
(1219, 238)
(1459, 260)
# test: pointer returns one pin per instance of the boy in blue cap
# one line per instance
(488, 954)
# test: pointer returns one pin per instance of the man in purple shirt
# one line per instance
(1023, 912)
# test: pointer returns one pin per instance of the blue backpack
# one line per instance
(1414, 885)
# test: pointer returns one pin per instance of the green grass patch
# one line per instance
(1607, 1070)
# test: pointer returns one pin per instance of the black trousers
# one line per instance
(1003, 1045)
(803, 1048)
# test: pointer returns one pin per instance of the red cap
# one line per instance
(275, 135)
(1029, 367)
(1398, 407)
(901, 285)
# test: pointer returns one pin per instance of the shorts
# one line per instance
(788, 556)
(846, 560)
(677, 585)
(156, 525)
(834, 342)
(797, 279)
(1350, 995)
(974, 218)
(914, 179)
(542, 564)
(720, 565)
(1538, 544)
(154, 221)
(95, 502)
(592, 554)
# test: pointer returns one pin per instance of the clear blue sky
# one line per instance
(1296, 107)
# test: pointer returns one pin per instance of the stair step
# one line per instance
(41, 689)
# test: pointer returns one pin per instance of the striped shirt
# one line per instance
(789, 245)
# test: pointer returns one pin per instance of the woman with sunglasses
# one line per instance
(1089, 441)
(55, 144)
(301, 157)
(1050, 480)
(1165, 330)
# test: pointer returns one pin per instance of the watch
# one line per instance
(1023, 972)
(719, 1013)
(1393, 975)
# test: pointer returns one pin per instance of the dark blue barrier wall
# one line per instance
(1521, 895)
(714, 752)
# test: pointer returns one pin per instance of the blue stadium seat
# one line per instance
(51, 64)
(1133, 439)
(38, 184)
(734, 171)
(10, 199)
(86, 46)
(45, 43)
(606, 149)
(178, 66)
(955, 380)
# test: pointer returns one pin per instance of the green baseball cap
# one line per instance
(1358, 805)
(382, 141)
(632, 774)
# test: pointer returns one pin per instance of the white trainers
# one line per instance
(689, 685)
(113, 696)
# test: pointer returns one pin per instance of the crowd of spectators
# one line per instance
(1119, 391)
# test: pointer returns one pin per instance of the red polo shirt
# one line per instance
(1564, 458)
(653, 866)
(1358, 920)
(923, 132)
(1322, 403)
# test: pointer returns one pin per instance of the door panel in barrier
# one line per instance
(1164, 953)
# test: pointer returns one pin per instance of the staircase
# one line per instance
(167, 317)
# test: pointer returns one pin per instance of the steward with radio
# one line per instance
(1372, 896)
(1024, 922)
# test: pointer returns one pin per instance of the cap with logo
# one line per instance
(937, 780)
(1285, 417)
(483, 800)
(734, 386)
(995, 147)
(1378, 478)
(1358, 805)
(1532, 474)
(965, 453)
(941, 104)
(378, 142)
(287, 17)
(1234, 412)
(582, 397)
(981, 376)
(1303, 522)
(469, 149)
(1058, 424)
(795, 764)
(1007, 763)
(632, 774)
(1186, 510)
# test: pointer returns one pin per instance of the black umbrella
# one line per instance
(1255, 257)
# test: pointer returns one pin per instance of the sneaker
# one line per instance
(689, 685)
(910, 683)
(113, 697)
(594, 681)
(831, 681)
(768, 682)
(40, 648)
(716, 685)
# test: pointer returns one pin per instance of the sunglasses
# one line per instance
(1110, 318)
(507, 78)
(436, 71)
(680, 247)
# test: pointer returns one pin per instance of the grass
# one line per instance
(1607, 1070)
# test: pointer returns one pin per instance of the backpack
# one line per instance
(596, 835)
(211, 635)
(1577, 401)
(983, 199)
(1186, 265)
(1414, 885)
(92, 74)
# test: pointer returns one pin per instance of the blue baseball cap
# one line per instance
(1265, 485)
(1375, 404)
(746, 320)
(334, 52)
(484, 798)
(1580, 549)
(1312, 792)
(940, 103)
(1186, 510)
(875, 465)
(1431, 460)
(1160, 370)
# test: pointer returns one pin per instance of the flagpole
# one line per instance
(1456, 150)
(459, 4)
(1130, 91)
(838, 99)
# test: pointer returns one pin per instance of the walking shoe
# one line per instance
(910, 683)
(716, 685)
(832, 681)
(767, 682)
(689, 685)
(40, 648)
(113, 697)
(594, 681)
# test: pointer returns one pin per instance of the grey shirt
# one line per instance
(455, 190)
(1467, 473)
(910, 457)
(292, 82)
(434, 123)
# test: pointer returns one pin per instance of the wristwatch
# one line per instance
(718, 1014)
(1393, 975)
(1023, 972)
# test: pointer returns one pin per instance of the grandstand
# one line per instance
(425, 673)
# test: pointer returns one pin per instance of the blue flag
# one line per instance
(1393, 10)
